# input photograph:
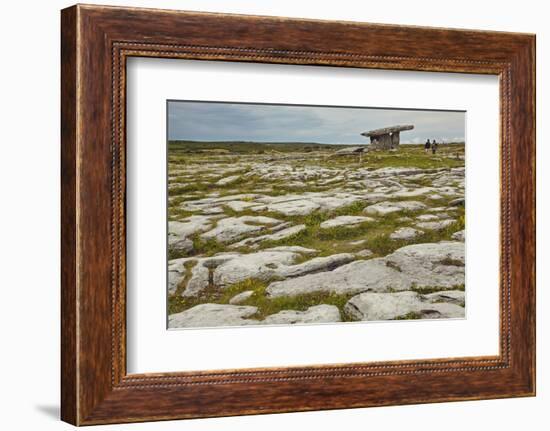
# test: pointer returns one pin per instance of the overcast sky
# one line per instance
(200, 121)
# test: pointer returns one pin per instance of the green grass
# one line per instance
(243, 147)
(191, 187)
(206, 247)
(175, 213)
(407, 156)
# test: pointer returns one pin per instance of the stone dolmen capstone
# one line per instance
(386, 138)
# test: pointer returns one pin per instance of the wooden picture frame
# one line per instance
(95, 43)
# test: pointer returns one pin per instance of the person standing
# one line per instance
(434, 146)
(427, 145)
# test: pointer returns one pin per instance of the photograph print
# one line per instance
(298, 214)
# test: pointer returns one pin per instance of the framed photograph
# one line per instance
(263, 214)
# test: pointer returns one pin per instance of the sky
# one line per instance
(202, 121)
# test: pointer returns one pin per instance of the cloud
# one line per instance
(206, 121)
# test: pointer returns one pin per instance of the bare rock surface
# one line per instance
(413, 192)
(389, 306)
(293, 248)
(459, 236)
(316, 314)
(383, 208)
(180, 230)
(405, 233)
(214, 201)
(183, 244)
(430, 264)
(294, 208)
(395, 171)
(225, 270)
(277, 236)
(174, 278)
(427, 217)
(239, 206)
(364, 253)
(457, 202)
(355, 277)
(326, 263)
(176, 273)
(346, 221)
(215, 210)
(264, 265)
(241, 297)
(306, 203)
(450, 296)
(210, 315)
(404, 219)
(435, 225)
(233, 228)
(202, 274)
(228, 180)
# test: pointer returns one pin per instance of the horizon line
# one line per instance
(444, 140)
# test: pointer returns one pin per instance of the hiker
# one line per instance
(434, 146)
(427, 145)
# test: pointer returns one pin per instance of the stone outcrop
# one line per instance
(241, 297)
(422, 265)
(228, 180)
(435, 225)
(389, 306)
(345, 221)
(406, 233)
(180, 231)
(211, 315)
(221, 271)
(355, 277)
(233, 228)
(459, 236)
(383, 208)
(316, 314)
(431, 264)
(254, 241)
